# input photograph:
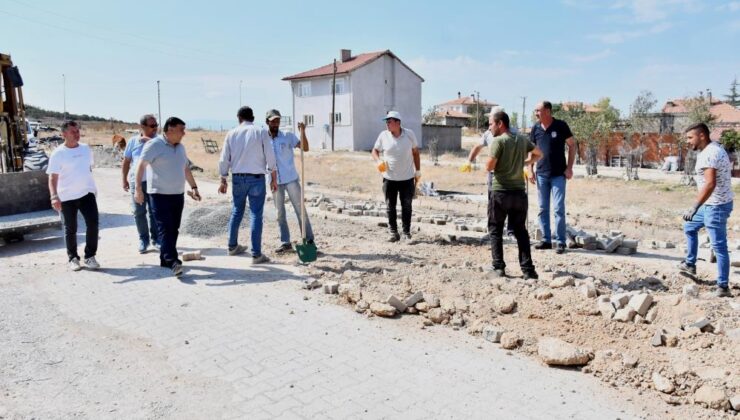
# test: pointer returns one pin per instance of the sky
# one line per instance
(112, 53)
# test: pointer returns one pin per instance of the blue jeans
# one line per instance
(139, 210)
(243, 187)
(294, 194)
(167, 209)
(714, 219)
(556, 186)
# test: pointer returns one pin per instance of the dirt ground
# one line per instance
(453, 266)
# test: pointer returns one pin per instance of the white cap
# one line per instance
(392, 114)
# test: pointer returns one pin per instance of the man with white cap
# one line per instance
(401, 169)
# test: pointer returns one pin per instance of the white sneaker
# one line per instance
(260, 260)
(74, 265)
(91, 263)
(177, 269)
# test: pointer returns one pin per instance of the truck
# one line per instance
(25, 204)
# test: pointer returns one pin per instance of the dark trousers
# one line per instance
(89, 209)
(511, 204)
(392, 190)
(168, 214)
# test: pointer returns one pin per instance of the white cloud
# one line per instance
(588, 58)
(651, 11)
(618, 37)
(732, 6)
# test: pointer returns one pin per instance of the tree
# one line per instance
(698, 110)
(730, 139)
(591, 128)
(514, 121)
(734, 97)
(431, 116)
(640, 122)
(478, 119)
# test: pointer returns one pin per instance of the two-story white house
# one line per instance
(367, 86)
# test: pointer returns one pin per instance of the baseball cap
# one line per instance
(272, 114)
(392, 114)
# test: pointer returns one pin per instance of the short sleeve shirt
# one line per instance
(74, 168)
(552, 144)
(714, 156)
(283, 145)
(510, 152)
(167, 162)
(133, 150)
(397, 154)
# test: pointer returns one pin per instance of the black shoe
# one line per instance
(284, 248)
(543, 245)
(498, 272)
(721, 292)
(406, 237)
(394, 237)
(685, 268)
(531, 275)
(560, 249)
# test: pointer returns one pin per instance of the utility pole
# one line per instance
(333, 100)
(159, 109)
(524, 116)
(240, 94)
(64, 95)
(476, 97)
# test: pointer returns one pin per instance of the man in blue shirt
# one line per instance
(551, 135)
(148, 126)
(287, 177)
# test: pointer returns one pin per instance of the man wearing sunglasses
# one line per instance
(148, 127)
(401, 169)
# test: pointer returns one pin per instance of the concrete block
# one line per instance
(615, 243)
(584, 240)
(492, 333)
(396, 303)
(414, 299)
(641, 303)
(606, 309)
(440, 222)
(630, 243)
(619, 300)
(331, 288)
(623, 250)
(626, 314)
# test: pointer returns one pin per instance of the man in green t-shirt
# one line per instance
(507, 195)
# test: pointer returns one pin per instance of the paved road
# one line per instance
(278, 354)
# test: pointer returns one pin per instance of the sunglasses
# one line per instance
(155, 125)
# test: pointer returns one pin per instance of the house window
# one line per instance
(340, 87)
(304, 89)
(308, 120)
(337, 118)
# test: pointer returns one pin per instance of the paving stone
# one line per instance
(626, 314)
(492, 333)
(331, 288)
(641, 303)
(396, 303)
(414, 299)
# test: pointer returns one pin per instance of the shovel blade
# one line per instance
(306, 252)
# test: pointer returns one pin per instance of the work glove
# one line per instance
(382, 166)
(466, 167)
(690, 213)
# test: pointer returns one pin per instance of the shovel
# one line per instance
(306, 251)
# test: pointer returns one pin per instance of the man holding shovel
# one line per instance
(288, 180)
(401, 169)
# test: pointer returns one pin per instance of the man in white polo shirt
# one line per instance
(401, 169)
(72, 188)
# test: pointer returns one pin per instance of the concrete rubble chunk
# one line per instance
(396, 303)
(711, 396)
(542, 294)
(641, 303)
(414, 299)
(382, 309)
(613, 244)
(630, 243)
(556, 352)
(658, 338)
(691, 290)
(509, 341)
(362, 306)
(652, 315)
(311, 284)
(350, 291)
(588, 290)
(620, 300)
(703, 324)
(735, 402)
(422, 307)
(563, 281)
(504, 304)
(623, 250)
(432, 300)
(662, 383)
(331, 288)
(448, 306)
(492, 333)
(626, 314)
(629, 360)
(606, 309)
(457, 321)
(437, 315)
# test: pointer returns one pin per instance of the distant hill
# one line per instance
(34, 113)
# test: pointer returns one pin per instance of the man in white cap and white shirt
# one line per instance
(401, 169)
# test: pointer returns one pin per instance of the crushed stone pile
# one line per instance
(207, 221)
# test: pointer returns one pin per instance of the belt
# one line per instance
(255, 175)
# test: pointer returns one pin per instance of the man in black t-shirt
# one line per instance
(551, 135)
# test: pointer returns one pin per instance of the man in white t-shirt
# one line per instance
(72, 189)
(401, 169)
(712, 207)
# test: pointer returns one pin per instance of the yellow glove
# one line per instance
(382, 166)
(466, 167)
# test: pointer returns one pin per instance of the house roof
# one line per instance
(586, 107)
(467, 100)
(354, 63)
(724, 112)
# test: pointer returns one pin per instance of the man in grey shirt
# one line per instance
(248, 154)
(166, 187)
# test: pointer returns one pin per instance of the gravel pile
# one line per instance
(208, 221)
